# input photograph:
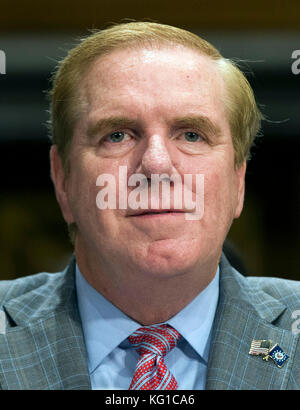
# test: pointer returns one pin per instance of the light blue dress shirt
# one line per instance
(111, 358)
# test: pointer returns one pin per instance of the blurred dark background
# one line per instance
(34, 35)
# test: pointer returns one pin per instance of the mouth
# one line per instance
(156, 212)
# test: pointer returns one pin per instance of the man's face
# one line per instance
(153, 111)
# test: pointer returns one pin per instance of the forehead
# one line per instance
(153, 76)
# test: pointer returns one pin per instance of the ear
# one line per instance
(240, 173)
(59, 180)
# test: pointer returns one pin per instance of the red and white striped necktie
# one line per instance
(153, 343)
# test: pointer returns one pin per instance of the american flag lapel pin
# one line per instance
(266, 349)
(260, 348)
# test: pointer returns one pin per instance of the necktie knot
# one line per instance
(155, 339)
(153, 343)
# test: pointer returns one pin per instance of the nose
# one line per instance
(156, 158)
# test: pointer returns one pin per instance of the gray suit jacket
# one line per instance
(42, 344)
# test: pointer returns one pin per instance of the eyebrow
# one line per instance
(110, 123)
(198, 121)
(191, 121)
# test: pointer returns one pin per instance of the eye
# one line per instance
(116, 137)
(116, 143)
(191, 136)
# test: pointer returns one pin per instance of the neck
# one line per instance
(146, 298)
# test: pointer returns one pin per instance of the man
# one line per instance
(148, 300)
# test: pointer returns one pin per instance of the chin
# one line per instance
(164, 260)
(164, 269)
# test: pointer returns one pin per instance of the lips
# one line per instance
(143, 212)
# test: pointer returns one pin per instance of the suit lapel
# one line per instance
(44, 349)
(243, 315)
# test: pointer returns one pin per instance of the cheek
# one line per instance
(220, 196)
(81, 188)
(85, 185)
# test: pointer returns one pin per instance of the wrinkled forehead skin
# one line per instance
(102, 86)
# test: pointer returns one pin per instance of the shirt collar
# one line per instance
(194, 322)
(105, 326)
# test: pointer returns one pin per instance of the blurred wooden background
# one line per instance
(35, 16)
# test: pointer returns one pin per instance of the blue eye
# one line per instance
(192, 136)
(117, 136)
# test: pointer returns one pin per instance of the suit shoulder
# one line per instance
(284, 290)
(10, 289)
